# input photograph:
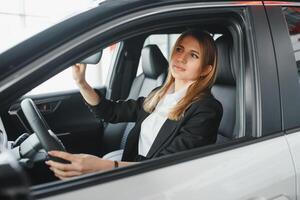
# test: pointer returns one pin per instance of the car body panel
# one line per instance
(233, 175)
(294, 144)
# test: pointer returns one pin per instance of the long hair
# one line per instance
(197, 89)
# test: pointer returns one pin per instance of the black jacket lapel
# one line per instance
(164, 134)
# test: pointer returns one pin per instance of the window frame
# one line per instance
(52, 188)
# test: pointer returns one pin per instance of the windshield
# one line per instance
(20, 19)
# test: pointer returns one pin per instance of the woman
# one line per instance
(180, 115)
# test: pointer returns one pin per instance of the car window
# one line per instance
(96, 75)
(292, 16)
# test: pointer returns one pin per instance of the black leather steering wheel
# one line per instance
(49, 141)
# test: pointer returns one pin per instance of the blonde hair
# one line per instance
(196, 90)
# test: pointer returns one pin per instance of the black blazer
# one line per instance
(197, 128)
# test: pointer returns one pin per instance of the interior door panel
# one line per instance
(70, 119)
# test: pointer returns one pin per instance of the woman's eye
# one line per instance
(178, 49)
(194, 56)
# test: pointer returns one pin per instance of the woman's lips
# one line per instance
(178, 68)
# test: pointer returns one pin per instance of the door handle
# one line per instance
(48, 107)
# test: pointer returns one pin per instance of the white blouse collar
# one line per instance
(171, 94)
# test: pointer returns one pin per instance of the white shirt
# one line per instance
(153, 123)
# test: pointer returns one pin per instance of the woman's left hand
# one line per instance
(79, 164)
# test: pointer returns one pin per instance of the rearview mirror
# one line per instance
(93, 59)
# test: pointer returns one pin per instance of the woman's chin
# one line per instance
(178, 76)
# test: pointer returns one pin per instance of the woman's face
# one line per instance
(186, 61)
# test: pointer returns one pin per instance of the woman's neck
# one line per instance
(179, 84)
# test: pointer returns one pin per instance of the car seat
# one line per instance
(155, 68)
(224, 89)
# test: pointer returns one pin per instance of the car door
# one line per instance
(256, 165)
(284, 22)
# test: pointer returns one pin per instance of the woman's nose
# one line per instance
(182, 58)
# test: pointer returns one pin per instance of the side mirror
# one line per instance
(93, 59)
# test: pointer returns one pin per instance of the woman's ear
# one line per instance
(206, 70)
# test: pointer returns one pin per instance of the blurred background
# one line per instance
(21, 19)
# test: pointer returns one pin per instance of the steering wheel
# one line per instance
(49, 141)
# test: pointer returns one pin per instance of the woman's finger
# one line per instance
(60, 177)
(61, 166)
(76, 67)
(65, 174)
(62, 154)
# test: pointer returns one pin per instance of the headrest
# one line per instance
(154, 62)
(225, 73)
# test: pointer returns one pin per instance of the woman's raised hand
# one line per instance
(78, 71)
(88, 93)
(79, 164)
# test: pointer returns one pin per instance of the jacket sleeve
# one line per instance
(117, 111)
(199, 130)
